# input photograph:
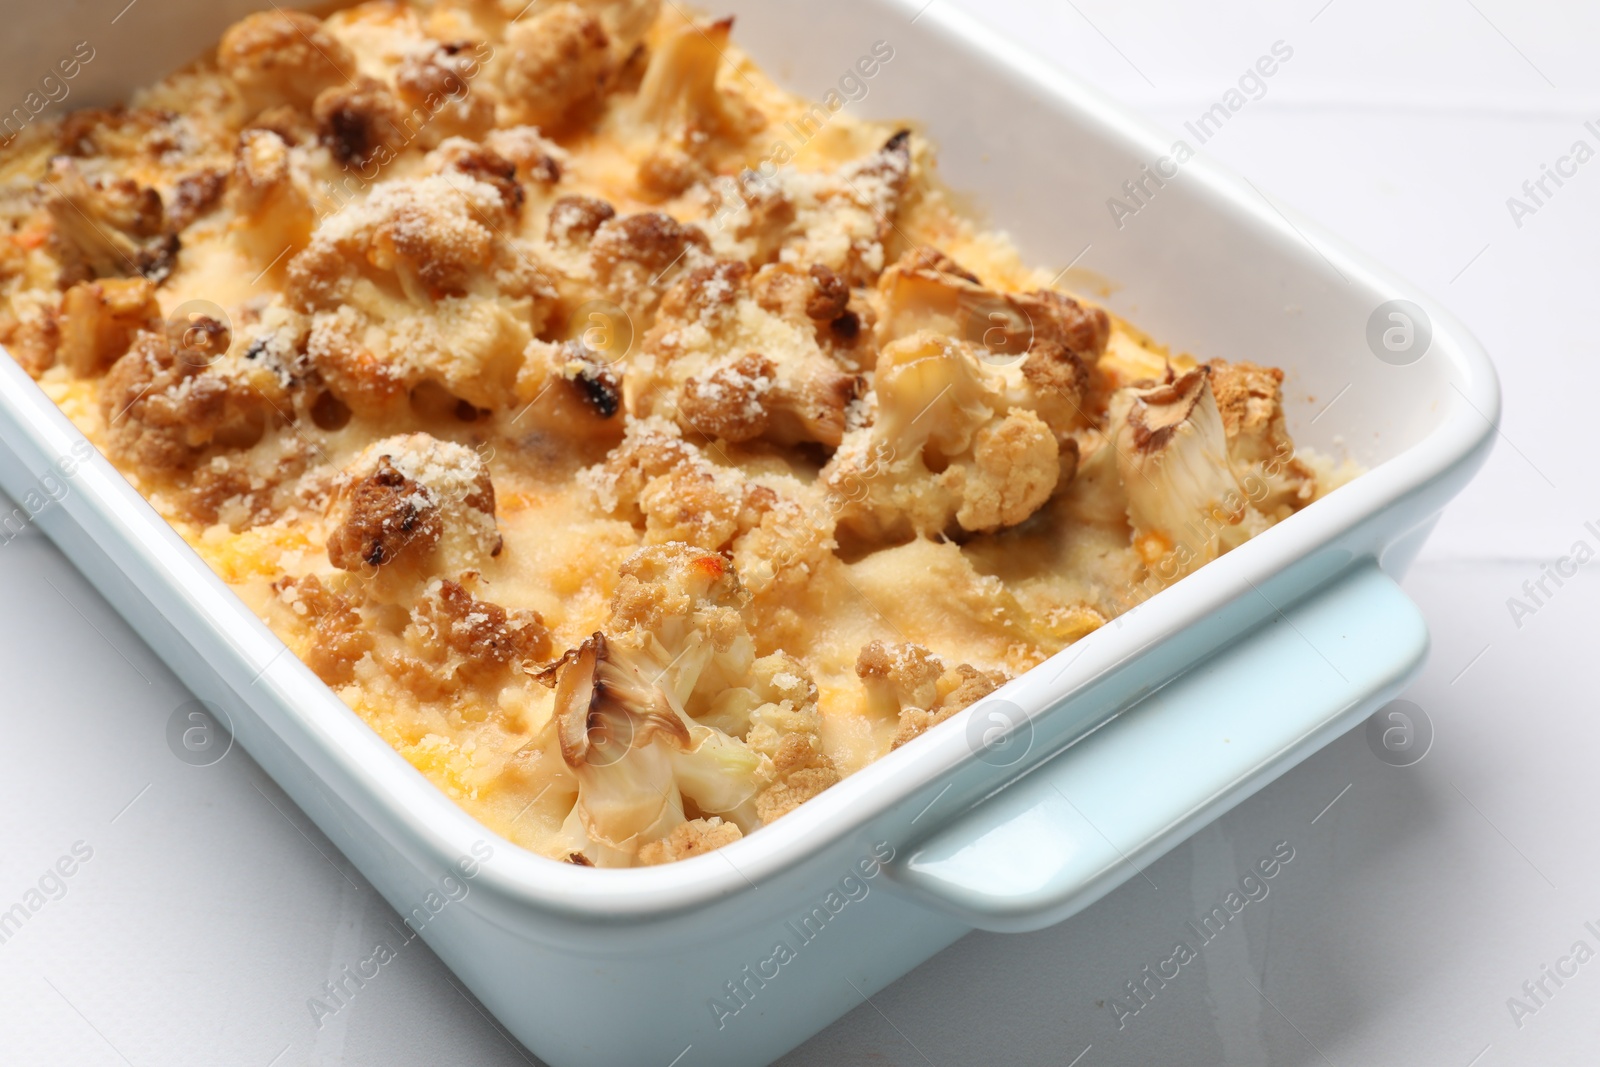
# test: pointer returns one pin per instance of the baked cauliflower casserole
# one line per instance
(637, 447)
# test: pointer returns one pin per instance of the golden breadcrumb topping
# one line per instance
(638, 447)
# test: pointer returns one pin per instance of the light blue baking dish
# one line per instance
(1015, 814)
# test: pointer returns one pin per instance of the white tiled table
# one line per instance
(210, 910)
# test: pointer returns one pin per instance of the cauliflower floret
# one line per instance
(430, 237)
(437, 82)
(778, 531)
(539, 160)
(684, 113)
(573, 220)
(570, 392)
(413, 506)
(270, 199)
(1015, 467)
(668, 711)
(99, 319)
(457, 155)
(786, 728)
(560, 60)
(31, 341)
(419, 283)
(845, 218)
(454, 635)
(283, 57)
(162, 411)
(943, 452)
(685, 597)
(789, 548)
(113, 225)
(359, 122)
(1250, 401)
(912, 686)
(670, 488)
(338, 637)
(625, 703)
(693, 838)
(250, 487)
(841, 220)
(636, 258)
(721, 364)
(626, 22)
(1056, 341)
(1184, 501)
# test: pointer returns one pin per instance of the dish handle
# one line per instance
(1099, 813)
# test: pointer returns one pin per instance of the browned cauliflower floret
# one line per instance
(270, 198)
(575, 219)
(778, 531)
(358, 121)
(668, 711)
(1250, 401)
(819, 294)
(250, 487)
(722, 365)
(1061, 376)
(31, 341)
(338, 637)
(635, 258)
(944, 450)
(114, 225)
(841, 219)
(1055, 340)
(912, 686)
(455, 635)
(419, 283)
(480, 163)
(388, 516)
(283, 57)
(98, 321)
(693, 838)
(845, 218)
(539, 160)
(433, 237)
(438, 84)
(652, 448)
(194, 196)
(1184, 501)
(786, 728)
(672, 489)
(689, 505)
(728, 403)
(162, 410)
(689, 117)
(559, 60)
(413, 506)
(569, 393)
(120, 132)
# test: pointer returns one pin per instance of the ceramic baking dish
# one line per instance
(1018, 812)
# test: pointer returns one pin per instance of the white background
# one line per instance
(1416, 905)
